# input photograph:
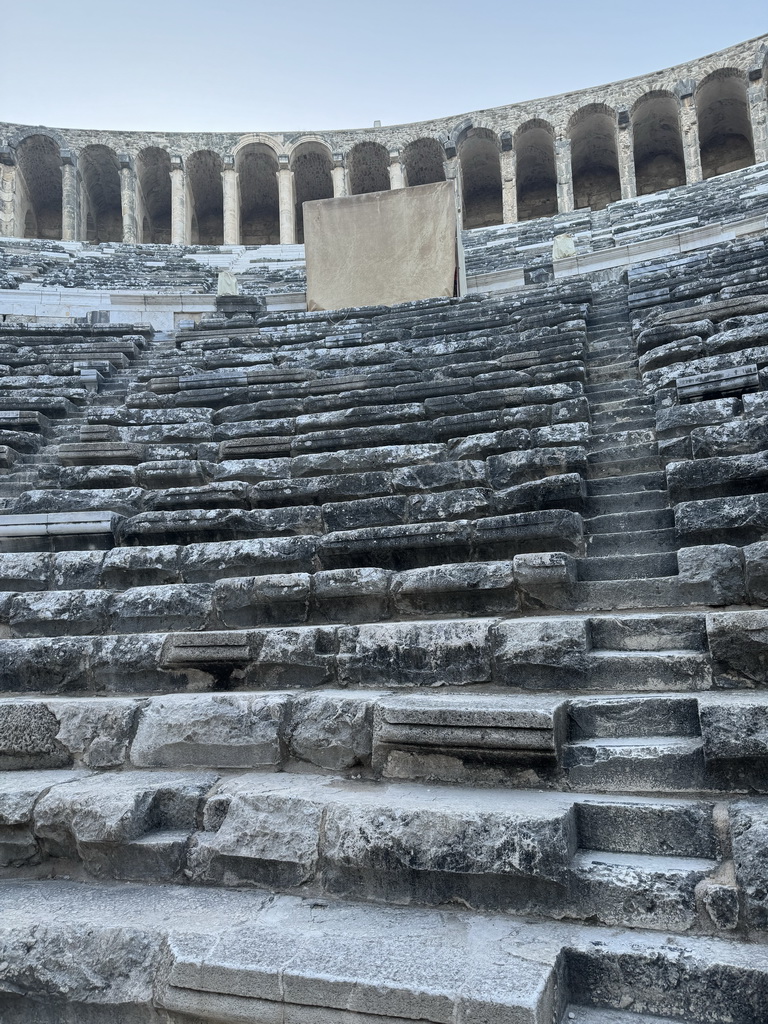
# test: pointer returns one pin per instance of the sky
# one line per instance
(283, 65)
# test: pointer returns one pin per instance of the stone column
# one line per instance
(69, 197)
(178, 202)
(625, 148)
(564, 172)
(339, 176)
(231, 195)
(758, 114)
(689, 131)
(128, 199)
(508, 179)
(286, 196)
(396, 172)
(8, 226)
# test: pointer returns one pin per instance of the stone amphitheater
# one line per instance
(393, 664)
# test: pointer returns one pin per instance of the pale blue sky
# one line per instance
(245, 65)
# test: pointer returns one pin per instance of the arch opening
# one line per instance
(39, 164)
(536, 173)
(312, 166)
(480, 179)
(424, 162)
(658, 144)
(101, 184)
(368, 164)
(259, 203)
(594, 159)
(725, 130)
(206, 194)
(154, 177)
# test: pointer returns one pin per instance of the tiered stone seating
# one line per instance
(314, 629)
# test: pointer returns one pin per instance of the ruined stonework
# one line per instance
(400, 663)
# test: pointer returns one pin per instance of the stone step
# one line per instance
(210, 955)
(609, 463)
(612, 422)
(630, 483)
(630, 444)
(600, 545)
(627, 566)
(631, 501)
(649, 670)
(658, 631)
(629, 522)
(635, 764)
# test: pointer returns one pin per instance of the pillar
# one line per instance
(758, 114)
(286, 197)
(564, 171)
(689, 131)
(625, 149)
(231, 196)
(8, 226)
(178, 202)
(69, 197)
(508, 179)
(396, 172)
(339, 176)
(128, 199)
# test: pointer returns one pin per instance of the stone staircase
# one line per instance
(354, 666)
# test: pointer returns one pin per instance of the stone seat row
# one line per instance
(552, 856)
(518, 654)
(633, 742)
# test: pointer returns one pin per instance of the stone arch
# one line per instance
(100, 173)
(206, 196)
(479, 158)
(153, 172)
(256, 165)
(725, 129)
(424, 161)
(368, 164)
(39, 162)
(312, 165)
(536, 172)
(594, 157)
(658, 142)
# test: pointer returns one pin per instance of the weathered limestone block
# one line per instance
(734, 726)
(712, 574)
(517, 467)
(351, 595)
(353, 515)
(469, 588)
(220, 730)
(265, 832)
(122, 501)
(364, 460)
(41, 614)
(28, 737)
(24, 572)
(96, 734)
(439, 476)
(547, 530)
(176, 473)
(398, 547)
(565, 490)
(278, 599)
(416, 654)
(742, 519)
(548, 652)
(738, 642)
(468, 503)
(690, 347)
(201, 563)
(679, 420)
(101, 453)
(740, 437)
(19, 793)
(99, 825)
(210, 496)
(141, 567)
(654, 336)
(331, 730)
(717, 477)
(99, 477)
(155, 609)
(298, 657)
(749, 837)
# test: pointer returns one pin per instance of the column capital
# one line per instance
(228, 162)
(68, 157)
(394, 156)
(125, 161)
(7, 156)
(755, 74)
(177, 164)
(623, 119)
(338, 159)
(283, 162)
(685, 89)
(507, 140)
